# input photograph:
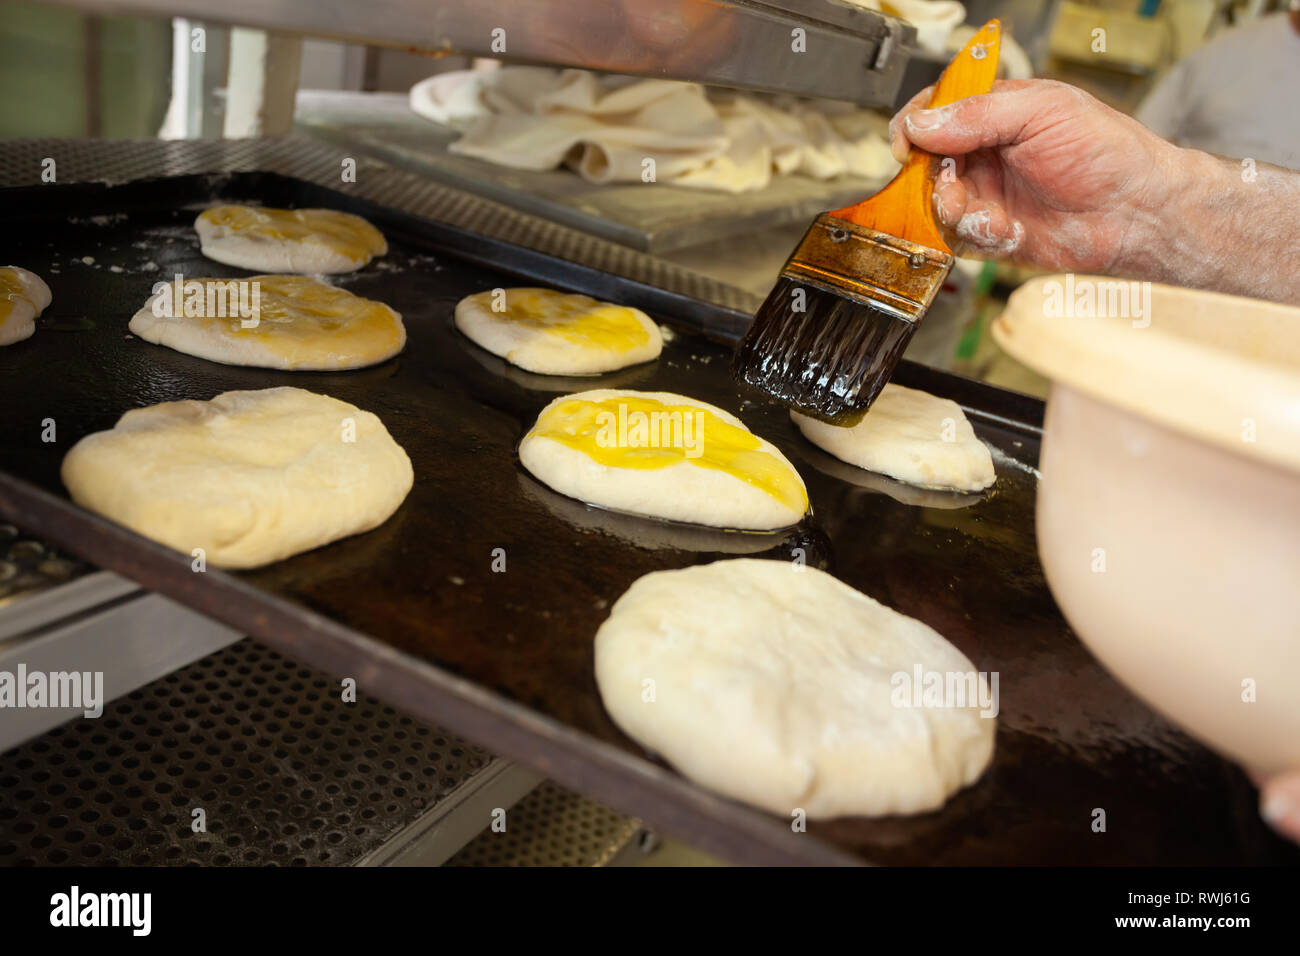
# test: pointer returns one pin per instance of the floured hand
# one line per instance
(1048, 175)
(1045, 173)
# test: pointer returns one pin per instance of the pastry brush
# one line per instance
(849, 299)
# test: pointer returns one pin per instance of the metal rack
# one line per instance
(282, 771)
(285, 773)
(805, 47)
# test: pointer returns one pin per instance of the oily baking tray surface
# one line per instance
(415, 611)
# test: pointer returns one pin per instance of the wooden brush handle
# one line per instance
(905, 207)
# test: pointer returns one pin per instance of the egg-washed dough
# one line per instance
(578, 448)
(303, 324)
(776, 684)
(23, 296)
(250, 477)
(312, 241)
(553, 333)
(903, 436)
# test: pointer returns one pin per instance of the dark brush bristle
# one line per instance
(829, 360)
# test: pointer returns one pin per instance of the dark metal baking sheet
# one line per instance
(414, 611)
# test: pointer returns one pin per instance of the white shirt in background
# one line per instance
(1236, 96)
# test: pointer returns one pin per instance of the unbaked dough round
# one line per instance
(910, 435)
(776, 684)
(553, 333)
(311, 241)
(301, 324)
(646, 453)
(23, 296)
(249, 477)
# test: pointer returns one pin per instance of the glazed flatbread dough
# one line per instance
(301, 324)
(778, 685)
(23, 296)
(249, 477)
(553, 333)
(666, 535)
(311, 241)
(665, 456)
(910, 435)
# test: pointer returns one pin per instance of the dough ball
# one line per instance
(664, 456)
(23, 296)
(552, 333)
(249, 477)
(780, 686)
(312, 241)
(912, 436)
(301, 323)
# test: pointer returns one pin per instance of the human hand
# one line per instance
(1279, 803)
(1045, 174)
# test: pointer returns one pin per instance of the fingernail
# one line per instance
(897, 147)
(925, 119)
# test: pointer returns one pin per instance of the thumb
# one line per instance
(1000, 118)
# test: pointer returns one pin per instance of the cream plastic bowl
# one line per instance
(1169, 506)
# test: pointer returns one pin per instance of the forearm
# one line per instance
(1224, 226)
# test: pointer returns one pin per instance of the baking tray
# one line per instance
(415, 613)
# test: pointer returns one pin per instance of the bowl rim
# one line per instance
(1195, 388)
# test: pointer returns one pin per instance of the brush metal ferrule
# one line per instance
(875, 268)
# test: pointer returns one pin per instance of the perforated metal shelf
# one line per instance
(28, 566)
(286, 773)
(552, 827)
